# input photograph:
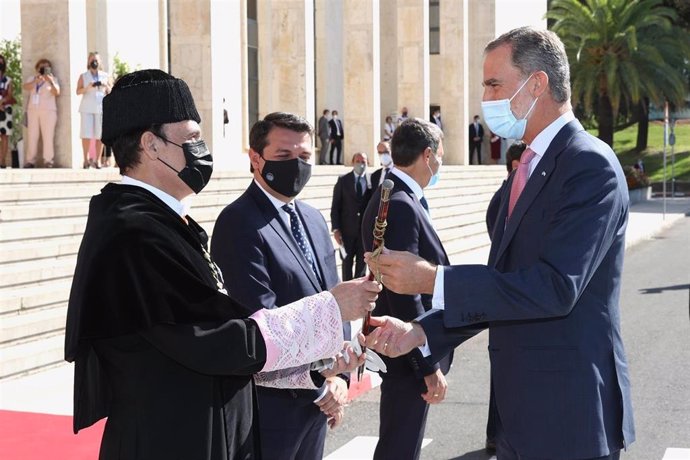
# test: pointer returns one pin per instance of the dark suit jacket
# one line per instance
(323, 133)
(493, 209)
(333, 133)
(473, 132)
(346, 209)
(551, 295)
(262, 265)
(408, 230)
(376, 177)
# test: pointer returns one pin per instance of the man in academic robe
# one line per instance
(410, 385)
(274, 250)
(159, 348)
(351, 194)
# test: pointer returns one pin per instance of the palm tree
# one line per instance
(620, 52)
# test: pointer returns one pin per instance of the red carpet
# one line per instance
(30, 436)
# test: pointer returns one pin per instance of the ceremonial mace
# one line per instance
(377, 247)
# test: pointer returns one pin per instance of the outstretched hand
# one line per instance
(393, 337)
(402, 272)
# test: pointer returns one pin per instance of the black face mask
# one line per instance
(287, 177)
(199, 164)
(94, 64)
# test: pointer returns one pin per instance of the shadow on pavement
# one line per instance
(474, 455)
(659, 290)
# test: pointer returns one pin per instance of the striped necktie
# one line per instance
(301, 238)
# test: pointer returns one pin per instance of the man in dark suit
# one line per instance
(351, 194)
(378, 176)
(550, 292)
(323, 134)
(476, 138)
(410, 384)
(337, 134)
(272, 250)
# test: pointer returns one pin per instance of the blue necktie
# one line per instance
(301, 238)
(425, 205)
(358, 187)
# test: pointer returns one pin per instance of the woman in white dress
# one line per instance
(93, 85)
(388, 129)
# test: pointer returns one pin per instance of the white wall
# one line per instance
(10, 20)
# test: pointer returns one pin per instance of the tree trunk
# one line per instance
(605, 119)
(642, 116)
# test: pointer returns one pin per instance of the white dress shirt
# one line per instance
(176, 205)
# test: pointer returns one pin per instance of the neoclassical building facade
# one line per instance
(245, 58)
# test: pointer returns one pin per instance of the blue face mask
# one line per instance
(500, 119)
(435, 177)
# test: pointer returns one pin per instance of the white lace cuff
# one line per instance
(294, 377)
(301, 332)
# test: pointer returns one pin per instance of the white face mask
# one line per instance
(500, 119)
(386, 159)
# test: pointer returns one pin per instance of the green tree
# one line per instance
(12, 50)
(620, 52)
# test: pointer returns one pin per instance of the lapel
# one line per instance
(274, 220)
(535, 183)
(424, 222)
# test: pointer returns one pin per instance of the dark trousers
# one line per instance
(291, 428)
(325, 147)
(478, 147)
(505, 451)
(491, 419)
(402, 417)
(337, 144)
(355, 253)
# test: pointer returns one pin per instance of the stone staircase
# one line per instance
(43, 214)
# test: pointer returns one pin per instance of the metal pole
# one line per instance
(665, 141)
(672, 141)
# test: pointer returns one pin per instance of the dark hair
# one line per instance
(514, 152)
(127, 147)
(258, 136)
(42, 61)
(411, 138)
(535, 50)
(325, 111)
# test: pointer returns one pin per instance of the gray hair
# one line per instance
(538, 50)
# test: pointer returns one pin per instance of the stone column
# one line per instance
(454, 80)
(482, 29)
(362, 116)
(163, 35)
(389, 60)
(328, 45)
(67, 20)
(286, 57)
(205, 47)
(413, 56)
